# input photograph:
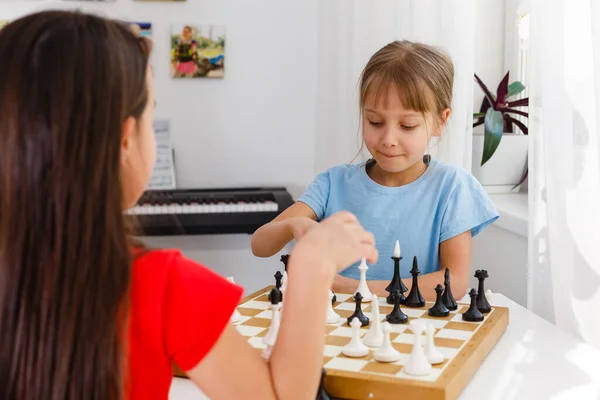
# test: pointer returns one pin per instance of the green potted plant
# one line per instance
(508, 169)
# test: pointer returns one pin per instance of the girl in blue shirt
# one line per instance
(431, 208)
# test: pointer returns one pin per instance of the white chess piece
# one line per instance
(386, 353)
(284, 282)
(431, 352)
(236, 316)
(363, 288)
(271, 336)
(417, 363)
(356, 347)
(332, 316)
(374, 336)
(397, 249)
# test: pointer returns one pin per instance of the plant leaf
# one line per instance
(514, 89)
(494, 127)
(510, 110)
(502, 89)
(517, 123)
(490, 97)
(524, 176)
(478, 115)
(519, 103)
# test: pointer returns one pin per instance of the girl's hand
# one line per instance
(339, 240)
(299, 226)
(342, 284)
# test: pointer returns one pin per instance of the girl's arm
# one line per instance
(455, 254)
(292, 223)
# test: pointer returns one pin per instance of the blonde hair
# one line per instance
(422, 75)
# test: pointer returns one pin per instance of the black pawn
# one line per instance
(284, 260)
(439, 309)
(473, 314)
(482, 303)
(396, 316)
(396, 284)
(414, 298)
(447, 296)
(364, 320)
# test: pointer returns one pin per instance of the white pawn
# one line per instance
(236, 316)
(374, 336)
(271, 336)
(417, 363)
(363, 288)
(284, 282)
(386, 353)
(431, 352)
(332, 316)
(355, 348)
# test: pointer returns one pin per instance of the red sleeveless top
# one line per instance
(178, 310)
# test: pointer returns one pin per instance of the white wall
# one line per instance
(257, 125)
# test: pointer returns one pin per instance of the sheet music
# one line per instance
(163, 175)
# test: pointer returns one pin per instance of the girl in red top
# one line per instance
(82, 316)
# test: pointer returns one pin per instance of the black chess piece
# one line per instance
(322, 393)
(364, 320)
(473, 314)
(439, 309)
(396, 316)
(396, 283)
(447, 296)
(482, 303)
(278, 276)
(284, 259)
(414, 298)
(334, 298)
(275, 296)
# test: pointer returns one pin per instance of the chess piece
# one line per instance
(432, 354)
(374, 336)
(363, 288)
(439, 309)
(284, 282)
(356, 347)
(396, 316)
(482, 303)
(333, 298)
(236, 316)
(386, 353)
(284, 259)
(396, 283)
(414, 298)
(364, 320)
(473, 314)
(271, 336)
(278, 277)
(447, 297)
(417, 364)
(332, 316)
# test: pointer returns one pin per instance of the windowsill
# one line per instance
(514, 212)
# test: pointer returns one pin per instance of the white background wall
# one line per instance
(257, 125)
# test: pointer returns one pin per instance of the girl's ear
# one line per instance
(126, 138)
(444, 117)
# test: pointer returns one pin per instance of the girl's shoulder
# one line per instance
(445, 174)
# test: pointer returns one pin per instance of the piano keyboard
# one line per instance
(208, 211)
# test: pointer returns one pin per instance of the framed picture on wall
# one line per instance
(197, 51)
(141, 29)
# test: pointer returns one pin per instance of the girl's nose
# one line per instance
(389, 138)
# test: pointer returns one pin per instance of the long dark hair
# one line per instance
(68, 81)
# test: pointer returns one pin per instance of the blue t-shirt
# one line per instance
(443, 202)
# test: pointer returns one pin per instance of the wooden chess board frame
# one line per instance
(448, 386)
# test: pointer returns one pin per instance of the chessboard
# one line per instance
(463, 344)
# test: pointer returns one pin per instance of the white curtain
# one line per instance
(350, 31)
(564, 184)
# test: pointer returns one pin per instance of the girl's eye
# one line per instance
(375, 123)
(409, 128)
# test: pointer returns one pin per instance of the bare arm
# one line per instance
(297, 340)
(455, 254)
(273, 236)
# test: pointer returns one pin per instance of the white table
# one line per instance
(533, 360)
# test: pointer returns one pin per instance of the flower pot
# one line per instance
(506, 166)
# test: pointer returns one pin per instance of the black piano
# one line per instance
(208, 211)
